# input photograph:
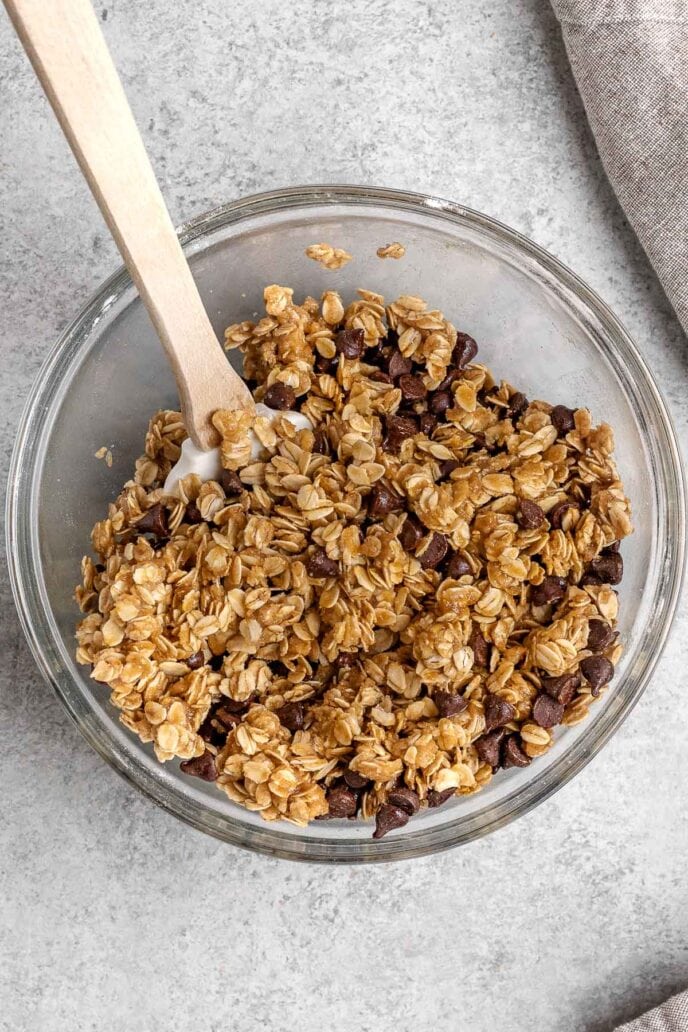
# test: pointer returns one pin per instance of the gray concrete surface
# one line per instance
(116, 917)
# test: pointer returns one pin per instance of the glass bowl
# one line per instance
(537, 325)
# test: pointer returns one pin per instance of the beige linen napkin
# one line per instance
(630, 61)
(672, 1016)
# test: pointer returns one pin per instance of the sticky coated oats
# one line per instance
(380, 612)
(395, 250)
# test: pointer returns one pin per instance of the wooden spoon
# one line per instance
(69, 54)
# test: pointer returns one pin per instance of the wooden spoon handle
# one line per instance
(70, 56)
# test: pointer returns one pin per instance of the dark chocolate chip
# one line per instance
(440, 402)
(319, 564)
(597, 671)
(428, 423)
(398, 428)
(457, 566)
(412, 533)
(547, 712)
(291, 715)
(406, 799)
(230, 481)
(518, 403)
(487, 747)
(481, 650)
(217, 662)
(590, 578)
(562, 688)
(512, 753)
(498, 712)
(226, 717)
(355, 780)
(465, 351)
(439, 798)
(350, 343)
(447, 467)
(449, 703)
(562, 419)
(324, 365)
(529, 515)
(556, 516)
(398, 365)
(195, 660)
(612, 549)
(600, 635)
(280, 396)
(237, 707)
(434, 552)
(342, 802)
(412, 388)
(389, 817)
(609, 568)
(154, 521)
(550, 591)
(377, 376)
(451, 377)
(193, 513)
(345, 659)
(321, 444)
(383, 500)
(201, 767)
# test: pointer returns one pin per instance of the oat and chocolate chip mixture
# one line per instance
(381, 612)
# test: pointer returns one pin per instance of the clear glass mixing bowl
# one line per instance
(538, 326)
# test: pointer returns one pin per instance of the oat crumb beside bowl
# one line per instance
(379, 612)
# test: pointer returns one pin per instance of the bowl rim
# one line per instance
(34, 614)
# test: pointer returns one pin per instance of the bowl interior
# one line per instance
(536, 329)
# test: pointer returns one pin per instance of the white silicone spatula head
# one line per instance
(70, 56)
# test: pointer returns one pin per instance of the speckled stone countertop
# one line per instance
(114, 915)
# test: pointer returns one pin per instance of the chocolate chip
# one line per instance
(518, 403)
(319, 564)
(529, 515)
(291, 715)
(449, 703)
(227, 718)
(590, 578)
(377, 376)
(600, 635)
(355, 780)
(384, 500)
(389, 817)
(193, 513)
(457, 566)
(498, 712)
(440, 402)
(562, 688)
(321, 444)
(513, 755)
(201, 767)
(434, 552)
(428, 423)
(230, 481)
(412, 533)
(398, 428)
(280, 396)
(412, 388)
(609, 568)
(547, 711)
(237, 707)
(562, 419)
(217, 662)
(324, 365)
(487, 747)
(447, 467)
(406, 799)
(439, 798)
(345, 659)
(597, 671)
(612, 549)
(550, 591)
(350, 343)
(342, 802)
(154, 521)
(556, 516)
(481, 650)
(195, 660)
(451, 377)
(465, 351)
(398, 365)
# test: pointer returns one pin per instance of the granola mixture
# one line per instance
(395, 250)
(381, 612)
